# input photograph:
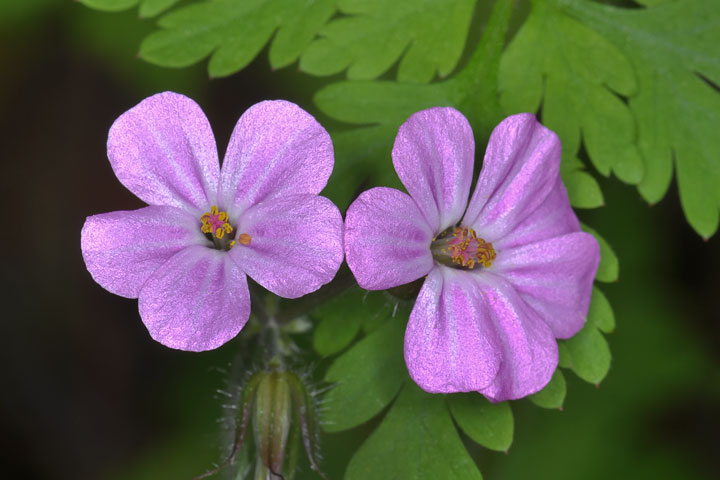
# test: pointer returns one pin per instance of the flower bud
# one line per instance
(282, 414)
(272, 414)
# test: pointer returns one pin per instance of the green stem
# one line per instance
(343, 281)
(484, 53)
(265, 307)
(476, 84)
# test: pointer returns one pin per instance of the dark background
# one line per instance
(86, 394)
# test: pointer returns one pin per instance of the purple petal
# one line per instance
(163, 151)
(521, 167)
(387, 240)
(433, 156)
(555, 277)
(296, 245)
(527, 346)
(197, 301)
(276, 149)
(451, 344)
(555, 217)
(122, 249)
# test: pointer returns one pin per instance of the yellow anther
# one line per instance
(215, 222)
(462, 248)
(468, 250)
(244, 238)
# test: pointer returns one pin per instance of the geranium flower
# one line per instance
(186, 255)
(507, 272)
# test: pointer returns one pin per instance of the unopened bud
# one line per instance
(272, 414)
(282, 413)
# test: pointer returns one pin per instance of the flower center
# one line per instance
(460, 247)
(215, 226)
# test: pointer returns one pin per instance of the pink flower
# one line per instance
(506, 273)
(186, 255)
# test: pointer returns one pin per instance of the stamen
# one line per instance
(215, 221)
(463, 248)
(244, 238)
(216, 225)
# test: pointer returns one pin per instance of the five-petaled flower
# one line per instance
(187, 254)
(507, 272)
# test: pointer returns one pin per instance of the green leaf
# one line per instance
(583, 189)
(473, 89)
(110, 5)
(601, 315)
(233, 32)
(366, 378)
(564, 358)
(490, 425)
(384, 106)
(589, 354)
(148, 8)
(609, 268)
(553, 395)
(671, 46)
(385, 309)
(417, 440)
(577, 75)
(343, 315)
(334, 333)
(366, 102)
(372, 34)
